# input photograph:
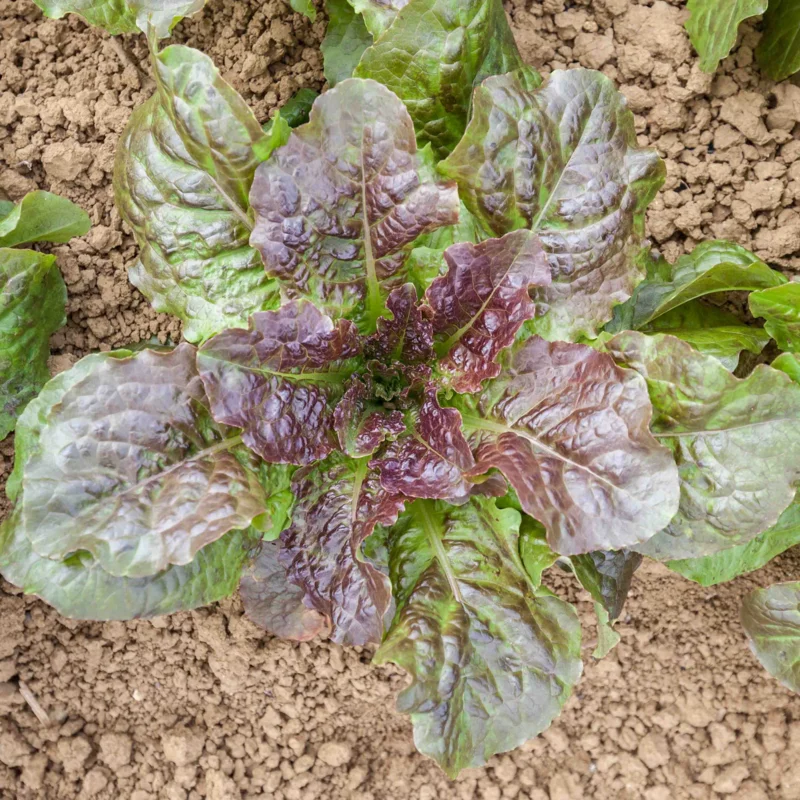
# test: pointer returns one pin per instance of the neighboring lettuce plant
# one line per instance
(430, 355)
(713, 27)
(33, 297)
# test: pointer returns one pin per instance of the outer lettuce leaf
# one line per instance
(563, 161)
(42, 217)
(361, 423)
(570, 431)
(339, 503)
(736, 443)
(607, 576)
(432, 459)
(780, 307)
(728, 564)
(771, 619)
(295, 111)
(279, 380)
(32, 304)
(274, 603)
(130, 467)
(125, 16)
(711, 267)
(338, 230)
(6, 207)
(378, 15)
(778, 52)
(491, 662)
(304, 7)
(408, 336)
(78, 587)
(713, 26)
(345, 41)
(534, 551)
(788, 363)
(434, 53)
(183, 172)
(481, 303)
(710, 330)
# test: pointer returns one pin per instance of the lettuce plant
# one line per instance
(429, 355)
(713, 26)
(33, 297)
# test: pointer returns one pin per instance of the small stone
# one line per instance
(220, 787)
(653, 750)
(94, 782)
(182, 746)
(13, 748)
(335, 754)
(731, 778)
(66, 160)
(73, 752)
(115, 749)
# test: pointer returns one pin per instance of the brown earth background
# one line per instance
(204, 704)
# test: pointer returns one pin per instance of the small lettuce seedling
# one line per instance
(429, 355)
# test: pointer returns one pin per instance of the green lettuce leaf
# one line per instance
(42, 217)
(492, 662)
(780, 307)
(736, 443)
(345, 41)
(378, 15)
(534, 551)
(129, 466)
(32, 307)
(182, 177)
(713, 26)
(712, 267)
(125, 16)
(778, 52)
(304, 7)
(771, 619)
(728, 564)
(788, 363)
(433, 54)
(79, 588)
(584, 190)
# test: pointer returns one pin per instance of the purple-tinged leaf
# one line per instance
(563, 161)
(570, 431)
(607, 576)
(279, 379)
(339, 503)
(408, 336)
(481, 303)
(339, 205)
(130, 467)
(429, 461)
(274, 603)
(361, 424)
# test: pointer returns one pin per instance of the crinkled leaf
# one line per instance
(736, 443)
(361, 423)
(408, 336)
(125, 16)
(710, 330)
(771, 619)
(78, 587)
(728, 564)
(274, 603)
(778, 52)
(607, 575)
(563, 161)
(491, 662)
(432, 458)
(338, 230)
(345, 41)
(182, 176)
(33, 300)
(780, 307)
(378, 15)
(339, 503)
(481, 303)
(42, 217)
(433, 55)
(279, 380)
(534, 551)
(711, 267)
(304, 7)
(714, 24)
(130, 467)
(570, 431)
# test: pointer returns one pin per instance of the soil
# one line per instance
(204, 704)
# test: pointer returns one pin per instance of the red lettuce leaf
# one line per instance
(408, 336)
(570, 431)
(482, 301)
(429, 461)
(279, 379)
(339, 205)
(339, 503)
